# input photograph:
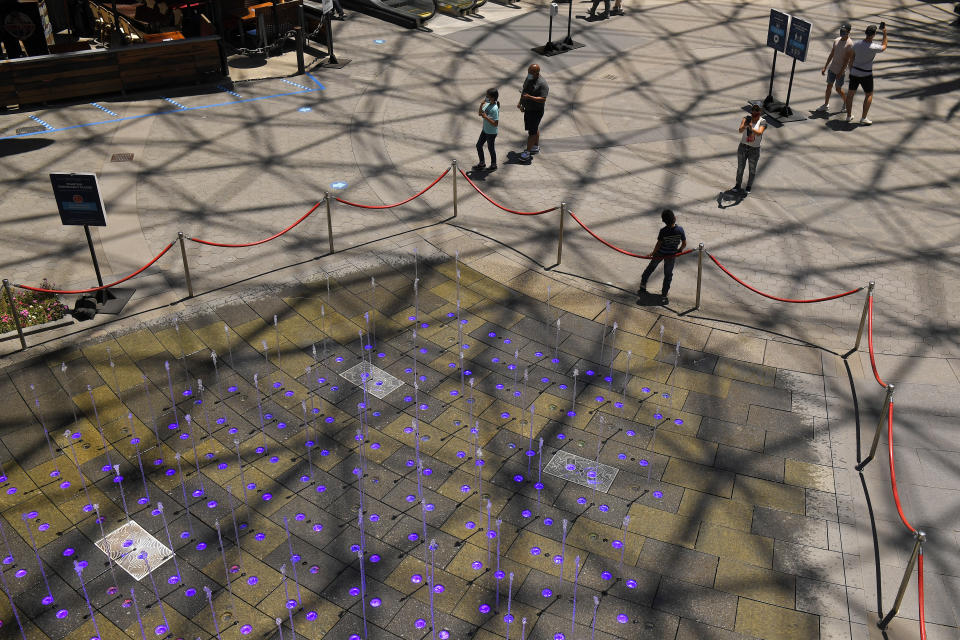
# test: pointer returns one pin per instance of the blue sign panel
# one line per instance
(798, 39)
(78, 199)
(777, 31)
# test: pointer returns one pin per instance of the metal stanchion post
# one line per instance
(299, 36)
(876, 436)
(920, 538)
(863, 317)
(186, 267)
(563, 214)
(326, 196)
(699, 274)
(13, 312)
(453, 170)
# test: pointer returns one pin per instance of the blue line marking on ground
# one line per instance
(223, 88)
(317, 82)
(175, 103)
(295, 84)
(36, 119)
(102, 108)
(162, 113)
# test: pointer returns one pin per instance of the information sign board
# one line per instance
(777, 30)
(798, 39)
(78, 199)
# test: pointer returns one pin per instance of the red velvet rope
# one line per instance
(616, 248)
(396, 204)
(778, 299)
(106, 286)
(500, 206)
(893, 470)
(873, 360)
(251, 244)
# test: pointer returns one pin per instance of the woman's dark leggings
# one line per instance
(489, 138)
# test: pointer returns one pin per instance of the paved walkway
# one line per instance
(643, 114)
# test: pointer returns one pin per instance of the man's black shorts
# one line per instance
(531, 121)
(861, 81)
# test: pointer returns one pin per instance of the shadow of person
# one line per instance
(649, 299)
(514, 158)
(478, 175)
(841, 124)
(730, 198)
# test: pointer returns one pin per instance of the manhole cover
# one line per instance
(574, 468)
(121, 157)
(33, 129)
(126, 544)
(379, 383)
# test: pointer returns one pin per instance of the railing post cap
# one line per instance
(872, 283)
(701, 246)
(921, 535)
(890, 387)
(5, 281)
(179, 234)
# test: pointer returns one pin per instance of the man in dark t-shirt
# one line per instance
(533, 97)
(670, 241)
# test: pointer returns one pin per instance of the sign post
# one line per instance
(554, 10)
(776, 39)
(798, 41)
(79, 202)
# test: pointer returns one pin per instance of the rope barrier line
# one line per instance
(873, 359)
(893, 470)
(396, 204)
(616, 248)
(500, 206)
(778, 299)
(106, 286)
(252, 244)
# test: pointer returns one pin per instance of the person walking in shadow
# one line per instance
(670, 241)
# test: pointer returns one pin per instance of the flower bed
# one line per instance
(33, 308)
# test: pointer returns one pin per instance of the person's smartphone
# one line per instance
(883, 26)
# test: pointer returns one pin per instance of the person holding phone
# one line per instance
(751, 135)
(860, 60)
(490, 113)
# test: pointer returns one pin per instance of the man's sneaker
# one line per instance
(536, 149)
(824, 107)
(849, 118)
(642, 290)
(525, 155)
(664, 299)
(480, 166)
(737, 188)
(866, 122)
(749, 187)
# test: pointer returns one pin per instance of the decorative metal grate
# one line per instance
(126, 544)
(379, 382)
(583, 471)
(33, 129)
(121, 157)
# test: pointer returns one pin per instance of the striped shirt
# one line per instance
(670, 240)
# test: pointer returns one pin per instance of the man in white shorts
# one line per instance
(860, 59)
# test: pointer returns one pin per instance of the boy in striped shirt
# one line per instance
(670, 241)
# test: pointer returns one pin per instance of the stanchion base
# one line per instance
(339, 64)
(553, 48)
(776, 110)
(112, 301)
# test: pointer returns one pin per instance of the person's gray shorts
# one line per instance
(834, 79)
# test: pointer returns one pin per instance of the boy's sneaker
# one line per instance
(492, 167)
(664, 299)
(824, 107)
(866, 122)
(536, 149)
(849, 118)
(525, 155)
(749, 187)
(480, 166)
(642, 290)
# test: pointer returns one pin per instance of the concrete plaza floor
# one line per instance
(642, 117)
